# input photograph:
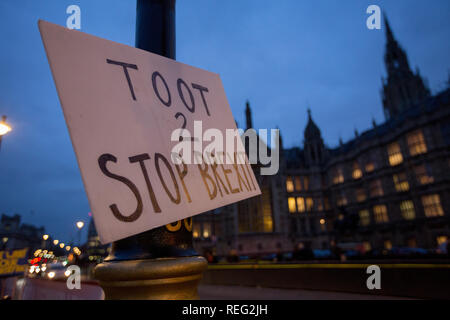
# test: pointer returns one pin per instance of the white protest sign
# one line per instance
(121, 106)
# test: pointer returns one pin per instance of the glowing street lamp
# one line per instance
(45, 236)
(80, 224)
(4, 128)
(55, 242)
(61, 245)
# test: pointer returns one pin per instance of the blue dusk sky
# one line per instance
(283, 56)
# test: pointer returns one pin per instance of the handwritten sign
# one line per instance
(122, 106)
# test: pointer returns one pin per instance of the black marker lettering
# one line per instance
(158, 157)
(205, 175)
(180, 92)
(155, 88)
(125, 69)
(202, 89)
(102, 160)
(141, 158)
(183, 174)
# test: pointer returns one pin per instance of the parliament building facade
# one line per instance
(388, 187)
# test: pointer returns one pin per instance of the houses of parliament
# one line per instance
(388, 187)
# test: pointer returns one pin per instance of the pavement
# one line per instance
(221, 292)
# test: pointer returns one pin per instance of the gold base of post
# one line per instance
(151, 279)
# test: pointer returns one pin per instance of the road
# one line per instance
(219, 292)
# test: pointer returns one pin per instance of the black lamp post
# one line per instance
(157, 264)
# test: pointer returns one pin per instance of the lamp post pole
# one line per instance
(160, 263)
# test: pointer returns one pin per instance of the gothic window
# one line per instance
(395, 154)
(341, 201)
(380, 214)
(306, 182)
(376, 189)
(296, 204)
(423, 175)
(338, 176)
(364, 217)
(401, 182)
(357, 172)
(416, 143)
(360, 195)
(370, 167)
(309, 204)
(432, 205)
(300, 204)
(407, 210)
(298, 184)
(289, 184)
(291, 204)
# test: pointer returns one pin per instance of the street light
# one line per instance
(80, 225)
(55, 242)
(61, 245)
(4, 128)
(45, 236)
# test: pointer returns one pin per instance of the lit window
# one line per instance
(416, 143)
(360, 195)
(291, 205)
(370, 167)
(196, 230)
(441, 240)
(388, 244)
(289, 184)
(401, 182)
(341, 201)
(309, 204)
(338, 176)
(306, 183)
(206, 230)
(422, 174)
(298, 184)
(375, 188)
(357, 172)
(432, 205)
(300, 204)
(395, 154)
(407, 209)
(380, 214)
(266, 203)
(364, 218)
(366, 245)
